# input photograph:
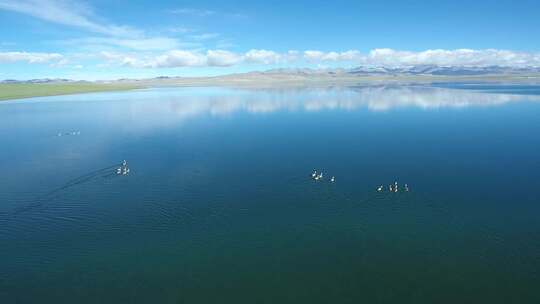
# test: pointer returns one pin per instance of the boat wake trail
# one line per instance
(102, 173)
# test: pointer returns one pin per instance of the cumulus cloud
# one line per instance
(155, 53)
(177, 58)
(222, 58)
(122, 59)
(262, 56)
(7, 57)
(377, 57)
(318, 56)
(459, 57)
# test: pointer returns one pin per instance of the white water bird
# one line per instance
(380, 189)
(314, 174)
(333, 179)
(406, 188)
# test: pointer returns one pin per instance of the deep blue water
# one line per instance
(219, 206)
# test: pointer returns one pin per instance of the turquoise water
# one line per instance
(219, 206)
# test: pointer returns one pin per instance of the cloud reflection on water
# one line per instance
(383, 98)
(143, 109)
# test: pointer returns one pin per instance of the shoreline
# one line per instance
(18, 91)
(15, 91)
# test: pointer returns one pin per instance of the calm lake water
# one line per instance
(219, 206)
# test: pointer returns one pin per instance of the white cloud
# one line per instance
(157, 53)
(262, 56)
(187, 58)
(377, 57)
(222, 58)
(313, 55)
(350, 55)
(121, 59)
(459, 57)
(177, 58)
(79, 15)
(7, 57)
(138, 44)
(67, 13)
(318, 56)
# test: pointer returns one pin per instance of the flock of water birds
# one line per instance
(393, 188)
(317, 176)
(123, 169)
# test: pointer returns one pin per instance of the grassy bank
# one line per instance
(25, 90)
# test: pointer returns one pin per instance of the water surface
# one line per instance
(219, 206)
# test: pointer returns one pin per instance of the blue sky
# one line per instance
(117, 39)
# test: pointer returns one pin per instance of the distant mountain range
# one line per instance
(432, 70)
(445, 70)
(427, 70)
(42, 80)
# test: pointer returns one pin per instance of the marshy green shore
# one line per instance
(26, 90)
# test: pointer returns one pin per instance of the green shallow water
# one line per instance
(219, 206)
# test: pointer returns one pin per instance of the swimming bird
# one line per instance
(119, 171)
(333, 179)
(380, 188)
(124, 163)
(406, 188)
(314, 174)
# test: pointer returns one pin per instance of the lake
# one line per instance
(219, 205)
